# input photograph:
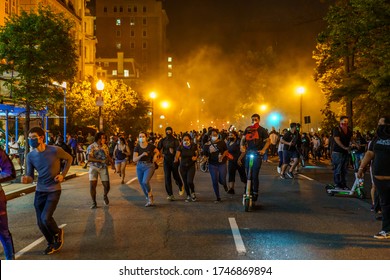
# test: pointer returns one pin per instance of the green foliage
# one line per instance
(123, 110)
(353, 60)
(38, 49)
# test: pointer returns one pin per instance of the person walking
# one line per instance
(291, 140)
(167, 147)
(216, 151)
(121, 152)
(46, 160)
(145, 155)
(379, 154)
(234, 164)
(187, 152)
(99, 160)
(7, 173)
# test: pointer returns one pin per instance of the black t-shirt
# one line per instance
(344, 138)
(234, 148)
(291, 137)
(212, 150)
(381, 161)
(255, 137)
(168, 146)
(186, 154)
(149, 149)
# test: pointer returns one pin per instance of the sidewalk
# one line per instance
(15, 189)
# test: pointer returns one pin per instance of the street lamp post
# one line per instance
(100, 102)
(300, 91)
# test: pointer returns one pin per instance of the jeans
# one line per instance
(257, 160)
(45, 204)
(171, 168)
(383, 189)
(340, 165)
(232, 168)
(145, 171)
(218, 174)
(5, 235)
(188, 174)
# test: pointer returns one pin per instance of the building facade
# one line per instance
(131, 39)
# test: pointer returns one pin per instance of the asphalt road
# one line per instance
(295, 220)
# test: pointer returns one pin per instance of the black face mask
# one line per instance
(383, 131)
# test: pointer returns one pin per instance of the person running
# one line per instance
(342, 137)
(167, 147)
(187, 152)
(379, 153)
(121, 152)
(99, 160)
(145, 155)
(7, 173)
(216, 151)
(255, 141)
(233, 146)
(46, 160)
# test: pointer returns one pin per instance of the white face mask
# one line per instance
(214, 138)
(141, 140)
(186, 143)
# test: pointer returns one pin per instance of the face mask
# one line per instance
(141, 140)
(214, 138)
(383, 131)
(33, 143)
(343, 124)
(186, 143)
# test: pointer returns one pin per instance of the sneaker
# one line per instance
(382, 235)
(149, 204)
(278, 169)
(282, 176)
(193, 197)
(225, 188)
(49, 250)
(106, 201)
(218, 200)
(230, 191)
(59, 240)
(372, 208)
(94, 205)
(290, 175)
(171, 198)
(188, 199)
(181, 191)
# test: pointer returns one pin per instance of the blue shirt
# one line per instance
(47, 164)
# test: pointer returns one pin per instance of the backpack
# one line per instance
(7, 167)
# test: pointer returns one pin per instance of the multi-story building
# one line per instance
(7, 8)
(131, 38)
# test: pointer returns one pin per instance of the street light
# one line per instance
(152, 95)
(100, 102)
(300, 91)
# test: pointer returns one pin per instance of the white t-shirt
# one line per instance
(13, 147)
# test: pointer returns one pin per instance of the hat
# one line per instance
(169, 128)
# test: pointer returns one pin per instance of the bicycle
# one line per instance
(247, 197)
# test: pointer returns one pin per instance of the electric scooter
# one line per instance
(357, 187)
(247, 197)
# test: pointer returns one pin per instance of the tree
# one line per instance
(38, 49)
(123, 109)
(352, 58)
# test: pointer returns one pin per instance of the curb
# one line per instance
(29, 189)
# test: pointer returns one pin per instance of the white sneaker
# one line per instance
(278, 169)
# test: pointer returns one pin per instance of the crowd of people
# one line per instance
(227, 152)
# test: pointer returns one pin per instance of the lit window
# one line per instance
(132, 22)
(169, 59)
(170, 74)
(169, 66)
(126, 73)
(118, 21)
(114, 72)
(118, 46)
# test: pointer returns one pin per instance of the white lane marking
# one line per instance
(308, 178)
(240, 247)
(32, 245)
(131, 181)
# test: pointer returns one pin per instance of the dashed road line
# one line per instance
(240, 247)
(32, 245)
(131, 181)
(308, 178)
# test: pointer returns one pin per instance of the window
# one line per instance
(169, 59)
(118, 46)
(170, 74)
(132, 33)
(126, 73)
(114, 72)
(144, 9)
(144, 21)
(144, 33)
(115, 9)
(144, 45)
(118, 21)
(132, 21)
(118, 33)
(106, 64)
(120, 9)
(135, 9)
(169, 66)
(129, 9)
(105, 9)
(132, 45)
